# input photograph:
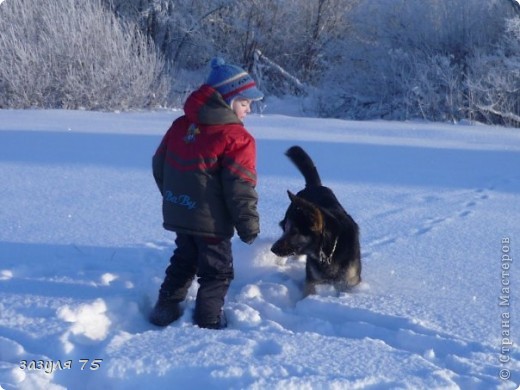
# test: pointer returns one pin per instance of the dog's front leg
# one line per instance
(310, 288)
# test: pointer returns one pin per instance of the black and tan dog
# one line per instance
(316, 225)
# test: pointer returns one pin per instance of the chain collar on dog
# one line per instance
(323, 256)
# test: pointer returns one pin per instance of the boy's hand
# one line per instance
(249, 239)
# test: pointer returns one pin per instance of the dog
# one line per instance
(317, 225)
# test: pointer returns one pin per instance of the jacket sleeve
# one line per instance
(239, 182)
(158, 163)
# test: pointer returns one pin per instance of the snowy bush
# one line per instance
(75, 54)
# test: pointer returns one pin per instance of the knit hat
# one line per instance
(232, 82)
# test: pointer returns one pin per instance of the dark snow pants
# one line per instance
(211, 260)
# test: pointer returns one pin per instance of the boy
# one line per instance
(205, 168)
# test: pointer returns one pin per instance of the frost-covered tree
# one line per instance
(410, 58)
(292, 33)
(75, 53)
(493, 83)
(395, 59)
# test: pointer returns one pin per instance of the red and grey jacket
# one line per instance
(205, 168)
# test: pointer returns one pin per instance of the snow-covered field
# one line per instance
(82, 255)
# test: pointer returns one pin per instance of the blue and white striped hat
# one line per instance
(232, 81)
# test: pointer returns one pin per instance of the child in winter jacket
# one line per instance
(205, 168)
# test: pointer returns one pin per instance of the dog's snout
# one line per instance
(281, 248)
(276, 248)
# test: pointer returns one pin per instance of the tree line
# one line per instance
(440, 60)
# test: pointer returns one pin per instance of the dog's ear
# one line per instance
(317, 220)
(312, 212)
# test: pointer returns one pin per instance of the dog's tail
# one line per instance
(305, 165)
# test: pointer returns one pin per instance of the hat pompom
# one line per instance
(216, 62)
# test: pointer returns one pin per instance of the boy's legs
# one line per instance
(182, 269)
(215, 273)
(178, 279)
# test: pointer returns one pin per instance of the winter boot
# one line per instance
(165, 312)
(221, 323)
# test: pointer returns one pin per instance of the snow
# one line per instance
(82, 255)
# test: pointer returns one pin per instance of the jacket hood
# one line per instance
(205, 106)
